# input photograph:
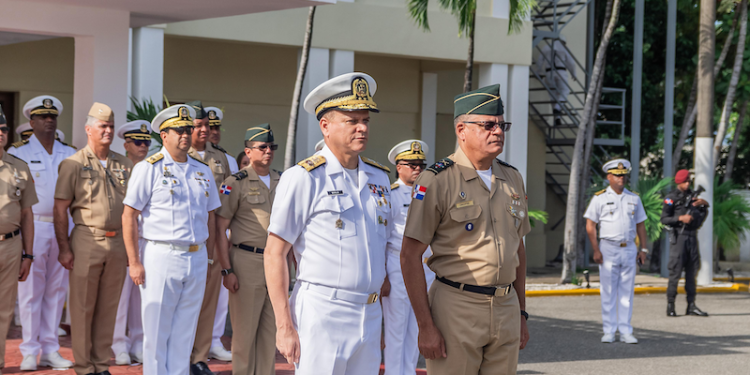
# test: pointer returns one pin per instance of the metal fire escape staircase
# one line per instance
(550, 18)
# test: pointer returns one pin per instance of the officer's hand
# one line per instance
(700, 202)
(524, 333)
(25, 269)
(137, 273)
(287, 341)
(686, 218)
(66, 259)
(231, 283)
(431, 343)
(598, 258)
(641, 258)
(385, 290)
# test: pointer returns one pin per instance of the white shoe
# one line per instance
(54, 360)
(122, 359)
(28, 363)
(218, 352)
(61, 332)
(608, 338)
(628, 339)
(136, 357)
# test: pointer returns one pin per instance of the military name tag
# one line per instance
(465, 204)
(36, 162)
(253, 193)
(335, 192)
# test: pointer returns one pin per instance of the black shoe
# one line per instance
(670, 309)
(105, 372)
(200, 368)
(692, 309)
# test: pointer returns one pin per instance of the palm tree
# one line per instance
(735, 141)
(465, 12)
(291, 136)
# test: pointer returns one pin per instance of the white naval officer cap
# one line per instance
(319, 146)
(412, 149)
(24, 128)
(617, 167)
(138, 129)
(42, 105)
(60, 135)
(215, 115)
(347, 92)
(173, 117)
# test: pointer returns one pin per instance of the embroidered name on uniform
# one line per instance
(225, 189)
(335, 192)
(610, 202)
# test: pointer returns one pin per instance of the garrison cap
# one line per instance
(319, 146)
(102, 112)
(347, 92)
(259, 133)
(412, 149)
(25, 130)
(215, 115)
(42, 105)
(197, 105)
(138, 129)
(483, 101)
(617, 167)
(173, 117)
(2, 117)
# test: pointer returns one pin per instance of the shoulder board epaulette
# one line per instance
(505, 164)
(600, 192)
(20, 143)
(240, 175)
(440, 166)
(376, 164)
(155, 157)
(394, 186)
(19, 159)
(312, 162)
(65, 144)
(276, 171)
(198, 160)
(219, 148)
(636, 193)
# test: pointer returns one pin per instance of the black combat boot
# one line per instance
(670, 309)
(692, 309)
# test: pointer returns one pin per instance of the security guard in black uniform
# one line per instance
(685, 217)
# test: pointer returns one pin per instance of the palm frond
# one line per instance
(519, 12)
(540, 215)
(730, 216)
(145, 110)
(418, 12)
(463, 10)
(652, 193)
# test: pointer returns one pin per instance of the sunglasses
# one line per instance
(141, 142)
(414, 165)
(183, 129)
(491, 126)
(215, 127)
(273, 147)
(4, 129)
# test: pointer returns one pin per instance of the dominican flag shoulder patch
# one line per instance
(668, 202)
(225, 189)
(419, 192)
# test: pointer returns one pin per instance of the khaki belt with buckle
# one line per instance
(623, 244)
(10, 235)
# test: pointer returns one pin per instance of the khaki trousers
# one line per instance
(10, 264)
(481, 332)
(99, 269)
(205, 330)
(253, 322)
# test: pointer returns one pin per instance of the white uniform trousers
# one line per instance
(220, 320)
(401, 352)
(557, 81)
(128, 335)
(42, 296)
(171, 301)
(336, 337)
(617, 278)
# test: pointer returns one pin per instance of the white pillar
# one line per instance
(429, 113)
(501, 9)
(83, 87)
(308, 129)
(148, 63)
(704, 177)
(517, 112)
(340, 62)
(490, 74)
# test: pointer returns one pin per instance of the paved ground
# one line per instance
(565, 334)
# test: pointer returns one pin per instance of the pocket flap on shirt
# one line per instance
(466, 213)
(335, 203)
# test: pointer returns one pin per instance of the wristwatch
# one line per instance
(211, 261)
(27, 256)
(645, 250)
(525, 314)
(227, 271)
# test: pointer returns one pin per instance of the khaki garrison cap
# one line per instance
(483, 101)
(347, 92)
(102, 112)
(173, 117)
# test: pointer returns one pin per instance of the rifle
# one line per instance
(689, 204)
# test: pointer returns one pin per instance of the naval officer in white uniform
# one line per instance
(176, 196)
(335, 209)
(401, 331)
(620, 215)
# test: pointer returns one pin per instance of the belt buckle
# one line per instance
(110, 234)
(623, 244)
(2, 237)
(372, 298)
(193, 248)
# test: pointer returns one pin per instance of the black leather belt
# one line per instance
(6, 236)
(250, 248)
(488, 290)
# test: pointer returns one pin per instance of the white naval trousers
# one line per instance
(220, 320)
(171, 301)
(617, 278)
(336, 337)
(129, 316)
(42, 296)
(557, 81)
(401, 352)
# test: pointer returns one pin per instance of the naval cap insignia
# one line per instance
(47, 103)
(144, 129)
(360, 88)
(212, 114)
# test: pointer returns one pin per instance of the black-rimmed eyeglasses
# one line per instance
(263, 148)
(490, 125)
(180, 130)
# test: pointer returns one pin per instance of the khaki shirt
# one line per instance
(216, 160)
(247, 201)
(96, 192)
(474, 232)
(17, 192)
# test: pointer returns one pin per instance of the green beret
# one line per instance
(198, 107)
(483, 101)
(259, 133)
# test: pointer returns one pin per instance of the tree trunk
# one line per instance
(571, 217)
(735, 142)
(733, 81)
(291, 144)
(692, 111)
(470, 59)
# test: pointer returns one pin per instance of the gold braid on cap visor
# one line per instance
(44, 111)
(214, 122)
(347, 103)
(410, 155)
(176, 122)
(617, 172)
(140, 136)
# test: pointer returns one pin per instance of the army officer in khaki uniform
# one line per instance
(246, 200)
(92, 184)
(471, 209)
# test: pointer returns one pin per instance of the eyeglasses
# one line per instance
(183, 129)
(414, 165)
(4, 129)
(491, 126)
(263, 148)
(140, 142)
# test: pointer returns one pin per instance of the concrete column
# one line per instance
(148, 63)
(704, 163)
(308, 130)
(429, 113)
(517, 112)
(501, 9)
(340, 62)
(490, 74)
(83, 87)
